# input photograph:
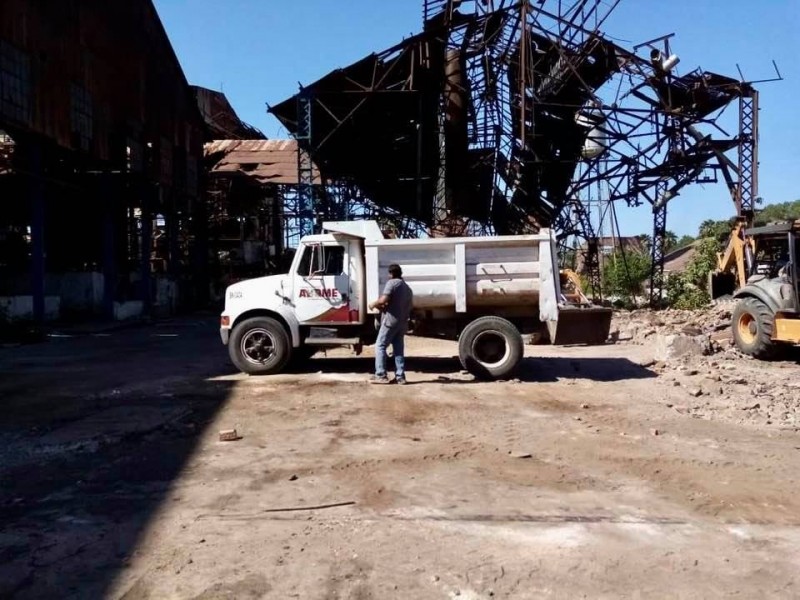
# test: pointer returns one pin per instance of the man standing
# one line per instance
(395, 303)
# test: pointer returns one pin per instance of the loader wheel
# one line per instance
(753, 323)
(490, 348)
(260, 346)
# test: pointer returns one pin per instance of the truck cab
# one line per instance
(321, 302)
(326, 281)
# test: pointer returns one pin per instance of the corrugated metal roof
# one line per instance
(679, 259)
(250, 145)
(268, 161)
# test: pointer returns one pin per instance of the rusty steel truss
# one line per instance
(504, 117)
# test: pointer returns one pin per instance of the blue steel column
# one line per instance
(659, 245)
(748, 155)
(147, 240)
(37, 191)
(305, 165)
(664, 194)
(173, 223)
(109, 246)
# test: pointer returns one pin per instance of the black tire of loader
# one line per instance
(491, 327)
(278, 335)
(761, 345)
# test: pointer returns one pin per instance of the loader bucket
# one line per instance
(587, 326)
(721, 284)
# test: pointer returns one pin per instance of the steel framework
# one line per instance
(501, 116)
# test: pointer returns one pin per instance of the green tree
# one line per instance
(670, 241)
(719, 230)
(684, 241)
(689, 289)
(784, 211)
(624, 274)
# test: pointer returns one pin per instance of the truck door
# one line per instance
(322, 288)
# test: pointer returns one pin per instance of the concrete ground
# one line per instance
(580, 479)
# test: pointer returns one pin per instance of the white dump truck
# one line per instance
(485, 292)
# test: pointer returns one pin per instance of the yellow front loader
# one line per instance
(760, 269)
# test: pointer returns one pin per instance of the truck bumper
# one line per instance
(224, 328)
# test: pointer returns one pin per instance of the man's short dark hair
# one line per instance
(395, 270)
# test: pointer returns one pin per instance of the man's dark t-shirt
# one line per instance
(401, 299)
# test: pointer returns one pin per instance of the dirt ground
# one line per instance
(599, 473)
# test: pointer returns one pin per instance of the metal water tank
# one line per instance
(596, 142)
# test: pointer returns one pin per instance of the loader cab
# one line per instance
(777, 257)
(767, 314)
(773, 254)
(757, 254)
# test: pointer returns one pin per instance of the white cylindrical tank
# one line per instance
(596, 137)
(670, 63)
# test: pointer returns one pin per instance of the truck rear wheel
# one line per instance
(490, 348)
(260, 346)
(753, 323)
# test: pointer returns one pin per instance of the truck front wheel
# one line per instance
(260, 346)
(490, 348)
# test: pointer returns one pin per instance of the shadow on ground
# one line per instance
(530, 370)
(94, 433)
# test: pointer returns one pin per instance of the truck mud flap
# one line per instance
(585, 326)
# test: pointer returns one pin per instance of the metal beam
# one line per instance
(38, 208)
(747, 191)
(658, 249)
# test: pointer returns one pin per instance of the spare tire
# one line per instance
(490, 348)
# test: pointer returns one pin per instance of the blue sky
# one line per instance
(257, 51)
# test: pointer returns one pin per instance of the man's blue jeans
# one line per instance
(394, 336)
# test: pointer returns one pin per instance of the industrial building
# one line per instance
(101, 142)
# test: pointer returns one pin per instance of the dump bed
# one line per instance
(462, 274)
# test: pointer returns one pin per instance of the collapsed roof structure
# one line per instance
(506, 116)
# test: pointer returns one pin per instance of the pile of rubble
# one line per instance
(708, 378)
(677, 333)
(734, 388)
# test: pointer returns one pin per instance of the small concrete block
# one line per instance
(229, 435)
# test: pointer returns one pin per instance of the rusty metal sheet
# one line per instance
(268, 161)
